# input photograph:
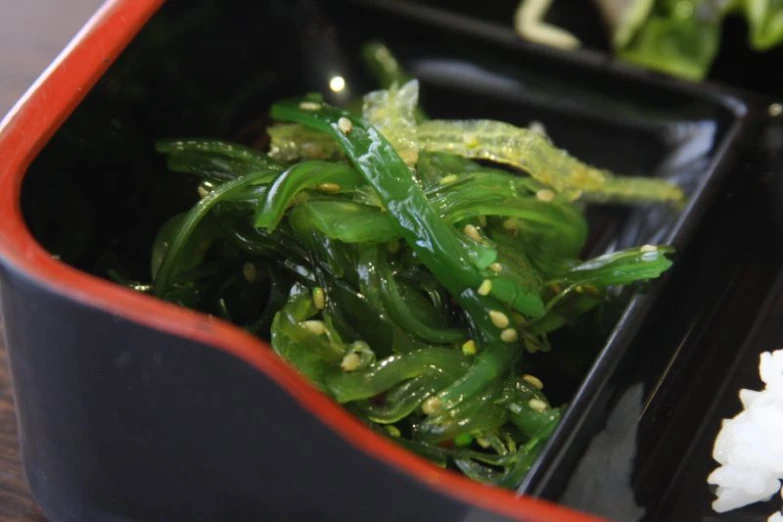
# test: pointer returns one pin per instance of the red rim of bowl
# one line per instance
(26, 130)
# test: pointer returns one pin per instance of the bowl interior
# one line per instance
(98, 192)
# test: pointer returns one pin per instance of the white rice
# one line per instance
(749, 447)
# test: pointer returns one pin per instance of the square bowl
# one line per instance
(131, 408)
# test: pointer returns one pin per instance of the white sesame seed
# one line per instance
(309, 106)
(537, 127)
(328, 187)
(360, 346)
(648, 248)
(545, 195)
(447, 180)
(202, 191)
(498, 318)
(431, 406)
(537, 405)
(469, 348)
(509, 335)
(533, 381)
(250, 272)
(496, 267)
(319, 298)
(315, 327)
(345, 125)
(472, 232)
(775, 110)
(485, 288)
(351, 362)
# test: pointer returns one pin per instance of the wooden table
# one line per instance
(32, 32)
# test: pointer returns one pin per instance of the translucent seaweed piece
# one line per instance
(535, 154)
(393, 112)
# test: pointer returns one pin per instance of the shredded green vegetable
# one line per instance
(398, 275)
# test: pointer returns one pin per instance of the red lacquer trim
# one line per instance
(24, 132)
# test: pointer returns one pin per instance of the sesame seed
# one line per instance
(250, 272)
(496, 267)
(483, 442)
(472, 232)
(469, 348)
(360, 346)
(350, 362)
(315, 327)
(319, 298)
(345, 125)
(533, 381)
(309, 106)
(328, 187)
(431, 406)
(537, 405)
(537, 127)
(545, 195)
(648, 248)
(447, 180)
(202, 191)
(498, 318)
(509, 335)
(485, 288)
(775, 110)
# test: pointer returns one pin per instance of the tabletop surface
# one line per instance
(32, 33)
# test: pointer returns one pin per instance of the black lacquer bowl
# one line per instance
(132, 409)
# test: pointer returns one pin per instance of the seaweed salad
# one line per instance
(405, 266)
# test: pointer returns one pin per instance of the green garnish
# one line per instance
(677, 37)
